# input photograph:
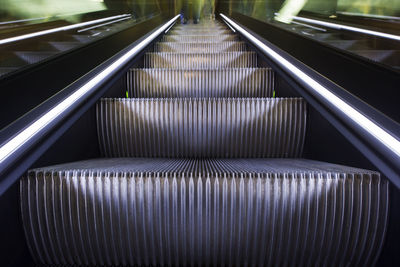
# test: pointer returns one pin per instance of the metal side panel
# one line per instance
(159, 212)
(194, 47)
(242, 82)
(202, 127)
(200, 60)
(200, 38)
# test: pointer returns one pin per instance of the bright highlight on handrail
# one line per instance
(358, 118)
(64, 28)
(36, 128)
(348, 28)
(104, 24)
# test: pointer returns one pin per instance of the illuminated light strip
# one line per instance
(348, 28)
(104, 24)
(37, 126)
(170, 27)
(368, 15)
(230, 27)
(369, 126)
(309, 26)
(64, 28)
(21, 20)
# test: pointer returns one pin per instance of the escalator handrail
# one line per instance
(20, 139)
(374, 134)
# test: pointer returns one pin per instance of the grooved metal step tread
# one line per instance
(65, 46)
(200, 38)
(241, 82)
(200, 47)
(260, 212)
(201, 60)
(199, 31)
(202, 127)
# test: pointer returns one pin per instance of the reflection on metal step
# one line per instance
(200, 47)
(11, 60)
(159, 212)
(199, 38)
(199, 32)
(5, 70)
(200, 60)
(242, 82)
(350, 44)
(65, 46)
(32, 57)
(389, 57)
(202, 127)
(82, 38)
(327, 36)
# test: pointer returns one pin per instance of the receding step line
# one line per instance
(59, 29)
(200, 60)
(195, 47)
(202, 127)
(227, 82)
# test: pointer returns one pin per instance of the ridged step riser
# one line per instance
(223, 128)
(199, 38)
(201, 60)
(199, 32)
(174, 47)
(209, 27)
(284, 218)
(168, 83)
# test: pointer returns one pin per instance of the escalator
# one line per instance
(202, 164)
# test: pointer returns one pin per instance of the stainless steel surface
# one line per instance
(237, 82)
(201, 60)
(229, 204)
(200, 31)
(32, 57)
(200, 38)
(260, 212)
(202, 127)
(200, 47)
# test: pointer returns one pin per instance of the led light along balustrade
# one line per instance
(192, 181)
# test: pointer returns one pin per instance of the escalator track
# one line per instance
(202, 165)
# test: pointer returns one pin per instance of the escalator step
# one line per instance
(241, 82)
(199, 31)
(202, 127)
(158, 212)
(200, 47)
(201, 60)
(199, 38)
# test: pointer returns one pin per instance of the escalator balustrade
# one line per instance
(203, 166)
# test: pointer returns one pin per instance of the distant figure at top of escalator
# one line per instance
(196, 9)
